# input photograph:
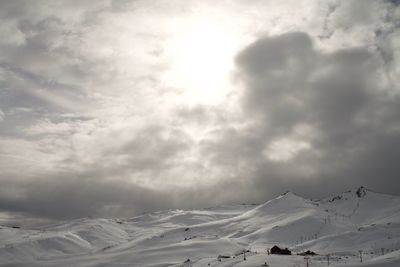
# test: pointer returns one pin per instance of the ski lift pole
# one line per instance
(306, 258)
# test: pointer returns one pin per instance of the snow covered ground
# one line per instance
(341, 226)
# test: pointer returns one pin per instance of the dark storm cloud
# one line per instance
(353, 135)
(68, 197)
(104, 187)
(74, 197)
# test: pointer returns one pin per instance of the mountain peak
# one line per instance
(361, 192)
(287, 193)
(290, 196)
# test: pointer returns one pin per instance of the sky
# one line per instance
(111, 108)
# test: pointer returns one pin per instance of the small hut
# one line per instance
(277, 250)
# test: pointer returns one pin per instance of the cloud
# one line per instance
(342, 99)
(89, 126)
(66, 197)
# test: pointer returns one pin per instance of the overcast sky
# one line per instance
(112, 108)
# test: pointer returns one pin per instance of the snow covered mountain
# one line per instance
(345, 226)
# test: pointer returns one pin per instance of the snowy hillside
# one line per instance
(346, 226)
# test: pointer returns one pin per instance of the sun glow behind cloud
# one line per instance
(201, 53)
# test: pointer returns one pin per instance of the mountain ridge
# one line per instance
(341, 225)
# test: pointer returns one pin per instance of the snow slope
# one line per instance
(341, 226)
